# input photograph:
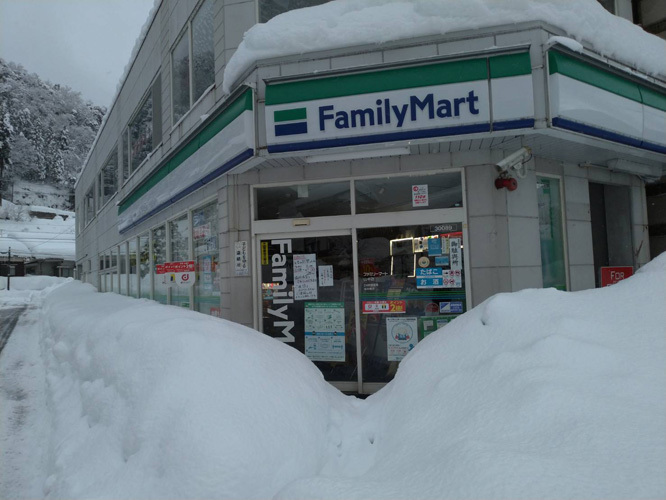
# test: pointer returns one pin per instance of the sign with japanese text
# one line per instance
(178, 273)
(436, 277)
(420, 195)
(384, 306)
(325, 331)
(455, 252)
(241, 259)
(305, 276)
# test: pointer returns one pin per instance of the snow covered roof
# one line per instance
(346, 23)
(35, 238)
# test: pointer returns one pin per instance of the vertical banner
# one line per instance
(241, 260)
(455, 247)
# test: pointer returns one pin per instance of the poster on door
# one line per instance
(305, 276)
(420, 195)
(455, 247)
(325, 331)
(401, 337)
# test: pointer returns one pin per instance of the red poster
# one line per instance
(186, 266)
(611, 275)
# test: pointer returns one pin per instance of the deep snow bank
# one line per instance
(150, 401)
(536, 394)
(345, 23)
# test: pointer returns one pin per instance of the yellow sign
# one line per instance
(264, 253)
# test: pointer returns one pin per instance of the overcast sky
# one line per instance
(84, 44)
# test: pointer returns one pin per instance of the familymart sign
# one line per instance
(400, 104)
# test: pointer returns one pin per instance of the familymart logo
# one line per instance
(291, 122)
(399, 110)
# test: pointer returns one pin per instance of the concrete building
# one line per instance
(351, 201)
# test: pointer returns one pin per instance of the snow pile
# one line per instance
(152, 401)
(24, 290)
(30, 283)
(536, 394)
(32, 237)
(346, 23)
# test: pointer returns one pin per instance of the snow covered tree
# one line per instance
(46, 129)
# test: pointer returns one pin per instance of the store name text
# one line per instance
(385, 113)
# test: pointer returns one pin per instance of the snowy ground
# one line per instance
(536, 394)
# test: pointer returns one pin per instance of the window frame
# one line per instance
(187, 33)
(126, 172)
(100, 180)
(87, 216)
(563, 215)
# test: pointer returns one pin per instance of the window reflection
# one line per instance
(411, 283)
(397, 194)
(268, 9)
(304, 200)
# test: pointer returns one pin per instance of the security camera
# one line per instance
(515, 160)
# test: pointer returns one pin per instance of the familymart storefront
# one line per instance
(354, 273)
(351, 214)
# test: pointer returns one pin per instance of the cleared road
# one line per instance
(8, 318)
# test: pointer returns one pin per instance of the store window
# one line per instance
(159, 258)
(102, 274)
(551, 233)
(179, 237)
(180, 77)
(206, 256)
(412, 283)
(108, 179)
(307, 297)
(268, 9)
(122, 268)
(303, 200)
(144, 266)
(133, 269)
(144, 132)
(193, 71)
(398, 194)
(141, 134)
(113, 270)
(89, 204)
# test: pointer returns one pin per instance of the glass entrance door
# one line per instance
(411, 283)
(307, 300)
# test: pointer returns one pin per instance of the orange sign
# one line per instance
(384, 306)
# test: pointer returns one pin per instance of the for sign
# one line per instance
(611, 275)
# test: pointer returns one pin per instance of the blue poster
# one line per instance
(450, 307)
(434, 246)
(442, 260)
(429, 277)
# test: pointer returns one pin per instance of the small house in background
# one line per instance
(41, 240)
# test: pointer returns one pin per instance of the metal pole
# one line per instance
(9, 264)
